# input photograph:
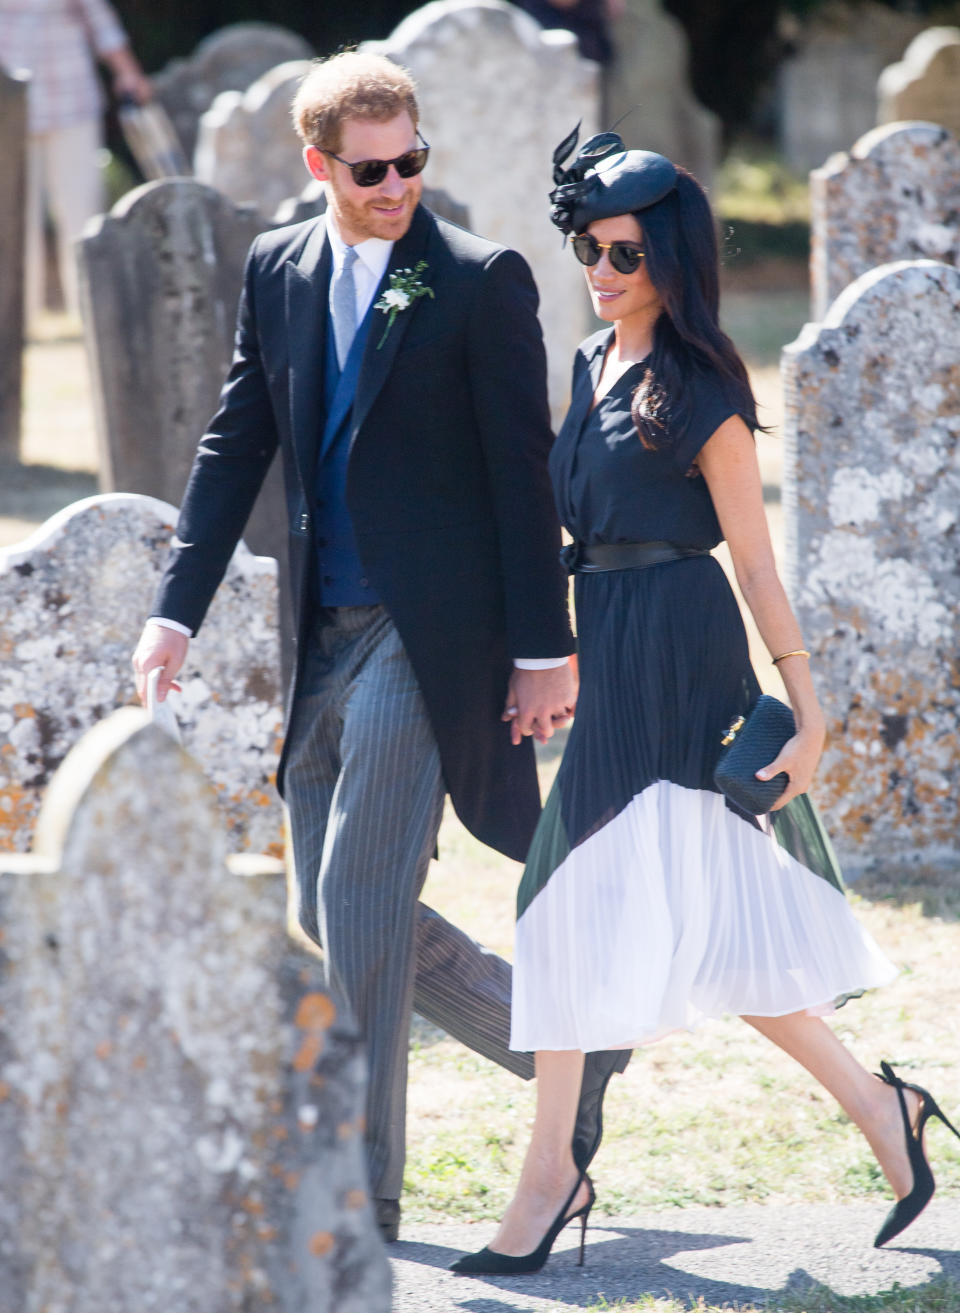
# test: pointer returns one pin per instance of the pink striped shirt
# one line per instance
(56, 40)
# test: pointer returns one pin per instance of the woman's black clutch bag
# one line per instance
(749, 744)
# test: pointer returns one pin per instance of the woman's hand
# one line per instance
(798, 757)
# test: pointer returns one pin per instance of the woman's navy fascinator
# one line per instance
(604, 180)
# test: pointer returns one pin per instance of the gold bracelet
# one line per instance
(797, 651)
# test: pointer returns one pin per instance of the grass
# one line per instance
(710, 1118)
(763, 209)
(940, 1296)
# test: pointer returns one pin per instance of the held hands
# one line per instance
(798, 757)
(159, 646)
(540, 701)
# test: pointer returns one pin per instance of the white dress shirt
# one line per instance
(373, 256)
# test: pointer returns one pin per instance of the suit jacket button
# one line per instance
(304, 522)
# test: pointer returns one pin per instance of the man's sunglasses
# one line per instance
(624, 256)
(369, 173)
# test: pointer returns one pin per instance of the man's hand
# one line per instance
(159, 646)
(540, 701)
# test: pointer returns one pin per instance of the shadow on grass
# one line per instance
(634, 1265)
(937, 892)
(35, 492)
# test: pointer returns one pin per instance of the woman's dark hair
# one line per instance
(680, 241)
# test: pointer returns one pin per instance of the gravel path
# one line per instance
(739, 1255)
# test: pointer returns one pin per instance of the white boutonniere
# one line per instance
(405, 286)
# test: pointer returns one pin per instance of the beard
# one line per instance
(362, 219)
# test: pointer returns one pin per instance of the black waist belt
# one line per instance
(624, 556)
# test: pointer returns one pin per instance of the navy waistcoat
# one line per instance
(339, 576)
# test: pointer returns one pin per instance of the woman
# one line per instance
(649, 900)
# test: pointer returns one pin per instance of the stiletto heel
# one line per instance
(487, 1262)
(583, 1230)
(909, 1208)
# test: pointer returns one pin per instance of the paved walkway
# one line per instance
(740, 1255)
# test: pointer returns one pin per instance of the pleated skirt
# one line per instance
(648, 901)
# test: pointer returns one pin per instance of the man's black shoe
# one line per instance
(387, 1213)
(588, 1129)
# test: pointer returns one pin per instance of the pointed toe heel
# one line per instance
(909, 1208)
(487, 1262)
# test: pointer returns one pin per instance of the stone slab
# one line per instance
(871, 500)
(73, 598)
(827, 85)
(925, 84)
(895, 196)
(161, 277)
(647, 85)
(247, 147)
(496, 95)
(230, 59)
(189, 1099)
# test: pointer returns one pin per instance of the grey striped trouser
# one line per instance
(365, 793)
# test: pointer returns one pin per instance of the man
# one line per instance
(60, 42)
(398, 362)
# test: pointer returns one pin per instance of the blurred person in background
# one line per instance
(59, 43)
(588, 20)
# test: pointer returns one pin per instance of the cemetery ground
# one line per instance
(712, 1137)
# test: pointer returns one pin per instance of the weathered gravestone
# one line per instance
(72, 600)
(180, 1101)
(161, 277)
(872, 513)
(925, 84)
(230, 59)
(827, 87)
(648, 86)
(896, 196)
(13, 171)
(312, 202)
(247, 146)
(496, 95)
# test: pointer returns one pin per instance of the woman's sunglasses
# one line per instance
(624, 256)
(369, 173)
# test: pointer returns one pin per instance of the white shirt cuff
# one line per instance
(539, 663)
(170, 624)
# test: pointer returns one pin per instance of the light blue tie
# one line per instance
(345, 306)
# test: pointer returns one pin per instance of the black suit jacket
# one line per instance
(447, 485)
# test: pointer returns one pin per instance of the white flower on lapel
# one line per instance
(405, 286)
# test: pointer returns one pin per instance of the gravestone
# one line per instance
(312, 202)
(648, 86)
(872, 514)
(182, 1100)
(925, 84)
(73, 598)
(827, 86)
(896, 196)
(496, 95)
(13, 171)
(247, 147)
(160, 279)
(230, 59)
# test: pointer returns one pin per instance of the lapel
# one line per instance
(307, 281)
(582, 398)
(378, 360)
(564, 453)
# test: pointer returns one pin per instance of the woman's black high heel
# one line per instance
(487, 1262)
(907, 1209)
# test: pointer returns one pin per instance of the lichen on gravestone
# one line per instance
(872, 514)
(73, 599)
(173, 1061)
